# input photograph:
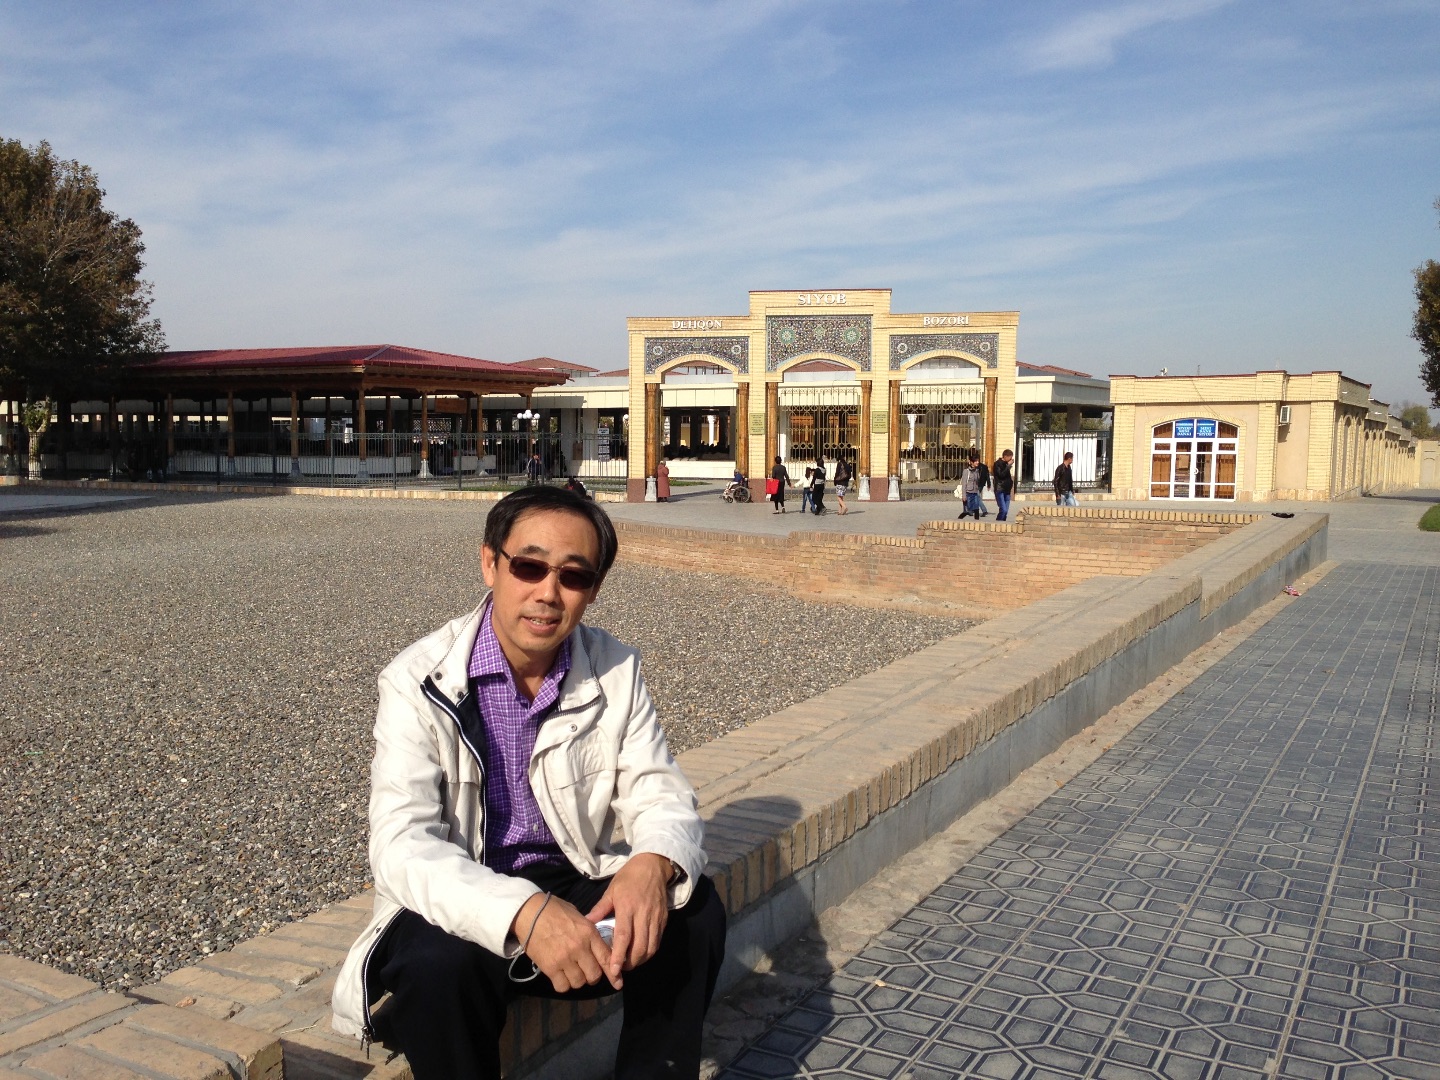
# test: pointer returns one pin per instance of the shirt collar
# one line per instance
(487, 658)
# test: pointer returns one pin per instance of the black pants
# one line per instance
(817, 499)
(449, 996)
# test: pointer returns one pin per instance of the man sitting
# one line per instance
(514, 747)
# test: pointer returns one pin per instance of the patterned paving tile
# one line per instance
(1247, 886)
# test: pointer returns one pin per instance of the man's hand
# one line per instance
(564, 945)
(638, 899)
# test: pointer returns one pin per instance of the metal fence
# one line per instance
(345, 459)
(1041, 452)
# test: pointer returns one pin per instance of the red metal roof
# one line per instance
(549, 363)
(1055, 370)
(347, 356)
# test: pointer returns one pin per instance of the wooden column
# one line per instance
(772, 425)
(230, 421)
(294, 429)
(742, 427)
(389, 415)
(862, 466)
(424, 433)
(169, 430)
(991, 450)
(654, 428)
(360, 419)
(892, 466)
(479, 432)
(114, 426)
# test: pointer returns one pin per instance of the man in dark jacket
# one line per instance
(1003, 478)
(1064, 482)
(972, 483)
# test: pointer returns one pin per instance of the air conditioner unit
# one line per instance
(1284, 414)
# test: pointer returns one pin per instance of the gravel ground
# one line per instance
(187, 687)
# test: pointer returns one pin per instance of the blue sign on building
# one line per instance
(1205, 429)
(1184, 429)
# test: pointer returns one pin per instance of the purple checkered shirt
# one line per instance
(515, 833)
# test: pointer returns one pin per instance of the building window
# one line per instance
(1193, 459)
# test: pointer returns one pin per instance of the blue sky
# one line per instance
(1190, 184)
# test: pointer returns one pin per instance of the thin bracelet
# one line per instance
(526, 945)
(521, 955)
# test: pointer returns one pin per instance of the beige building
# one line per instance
(834, 373)
(1270, 435)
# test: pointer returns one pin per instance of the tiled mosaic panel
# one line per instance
(734, 352)
(1247, 886)
(905, 347)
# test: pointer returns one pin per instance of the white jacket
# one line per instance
(601, 772)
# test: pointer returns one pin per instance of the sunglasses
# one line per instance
(530, 571)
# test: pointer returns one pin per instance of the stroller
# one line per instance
(737, 491)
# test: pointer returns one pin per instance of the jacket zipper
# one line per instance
(436, 698)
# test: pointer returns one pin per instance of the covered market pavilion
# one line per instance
(360, 398)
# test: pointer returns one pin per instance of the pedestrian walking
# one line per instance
(1002, 478)
(970, 485)
(805, 489)
(662, 482)
(1064, 482)
(844, 475)
(535, 469)
(817, 487)
(779, 479)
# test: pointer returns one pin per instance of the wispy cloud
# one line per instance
(510, 178)
(1092, 40)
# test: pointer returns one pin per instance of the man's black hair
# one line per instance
(541, 498)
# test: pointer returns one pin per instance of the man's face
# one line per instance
(531, 620)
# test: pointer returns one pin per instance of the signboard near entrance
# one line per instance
(1196, 429)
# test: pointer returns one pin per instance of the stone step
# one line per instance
(55, 1026)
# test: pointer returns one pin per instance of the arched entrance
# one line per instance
(817, 413)
(942, 418)
(1193, 458)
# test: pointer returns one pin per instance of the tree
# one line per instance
(1427, 323)
(73, 308)
(1417, 419)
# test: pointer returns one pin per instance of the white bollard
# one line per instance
(650, 495)
(894, 495)
(864, 494)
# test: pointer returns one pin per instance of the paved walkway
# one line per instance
(1247, 885)
(18, 502)
(1393, 516)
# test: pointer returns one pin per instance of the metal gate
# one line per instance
(818, 420)
(1040, 452)
(939, 424)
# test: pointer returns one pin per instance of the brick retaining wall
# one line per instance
(973, 566)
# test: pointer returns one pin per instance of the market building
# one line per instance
(352, 413)
(836, 374)
(1262, 436)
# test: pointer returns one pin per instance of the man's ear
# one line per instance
(489, 564)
